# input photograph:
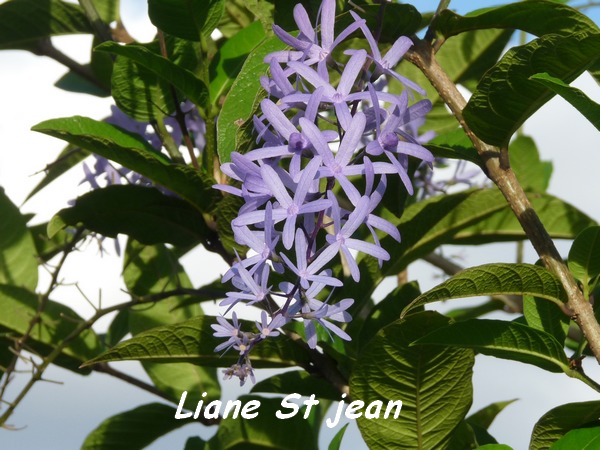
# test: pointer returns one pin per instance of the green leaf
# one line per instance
(506, 97)
(532, 173)
(495, 279)
(546, 316)
(118, 328)
(152, 270)
(336, 442)
(194, 443)
(128, 209)
(69, 157)
(74, 82)
(562, 221)
(560, 420)
(502, 339)
(550, 17)
(424, 378)
(243, 98)
(22, 22)
(584, 256)
(182, 79)
(192, 341)
(229, 60)
(131, 151)
(454, 145)
(18, 255)
(298, 381)
(583, 438)
(387, 311)
(586, 106)
(57, 321)
(134, 429)
(259, 432)
(187, 19)
(485, 416)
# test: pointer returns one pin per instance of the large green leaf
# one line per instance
(496, 279)
(562, 221)
(134, 429)
(131, 151)
(532, 173)
(22, 22)
(506, 96)
(260, 432)
(229, 60)
(546, 316)
(550, 17)
(152, 270)
(584, 257)
(193, 341)
(431, 382)
(584, 438)
(585, 105)
(57, 321)
(141, 87)
(243, 97)
(502, 339)
(180, 78)
(454, 145)
(128, 209)
(18, 255)
(187, 19)
(560, 420)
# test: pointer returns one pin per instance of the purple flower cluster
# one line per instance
(318, 135)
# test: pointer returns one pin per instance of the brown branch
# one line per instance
(498, 170)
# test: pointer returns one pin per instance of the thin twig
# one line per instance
(498, 170)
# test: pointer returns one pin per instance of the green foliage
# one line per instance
(193, 342)
(133, 152)
(128, 210)
(560, 420)
(188, 19)
(182, 79)
(495, 120)
(502, 339)
(259, 432)
(494, 279)
(123, 431)
(55, 324)
(584, 258)
(243, 99)
(397, 350)
(18, 264)
(424, 378)
(26, 21)
(586, 106)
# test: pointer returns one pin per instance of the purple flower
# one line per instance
(225, 329)
(308, 272)
(342, 241)
(306, 45)
(287, 208)
(266, 328)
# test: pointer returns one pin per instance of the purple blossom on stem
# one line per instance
(302, 208)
